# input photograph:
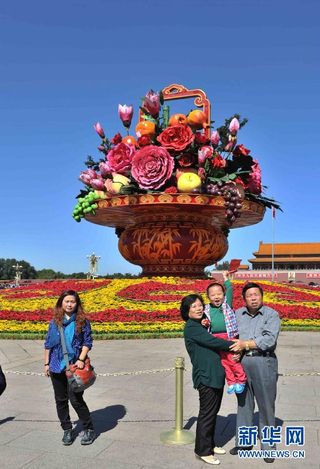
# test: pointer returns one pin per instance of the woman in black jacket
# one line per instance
(207, 374)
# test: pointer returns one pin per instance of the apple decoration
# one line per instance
(189, 182)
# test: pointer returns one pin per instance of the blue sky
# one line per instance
(67, 64)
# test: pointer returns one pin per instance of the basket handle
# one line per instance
(175, 91)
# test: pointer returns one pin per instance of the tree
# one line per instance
(76, 275)
(223, 266)
(46, 274)
(7, 271)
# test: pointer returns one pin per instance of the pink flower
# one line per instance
(215, 138)
(152, 166)
(254, 181)
(87, 175)
(125, 114)
(151, 103)
(99, 130)
(105, 169)
(120, 157)
(234, 126)
(204, 153)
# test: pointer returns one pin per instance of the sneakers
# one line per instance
(231, 389)
(209, 460)
(67, 439)
(88, 437)
(234, 451)
(218, 450)
(239, 388)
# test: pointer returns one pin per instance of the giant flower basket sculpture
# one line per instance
(174, 191)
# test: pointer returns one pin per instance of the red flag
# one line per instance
(234, 265)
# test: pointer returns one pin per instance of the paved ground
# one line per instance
(131, 410)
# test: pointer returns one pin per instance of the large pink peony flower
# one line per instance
(254, 181)
(119, 159)
(152, 166)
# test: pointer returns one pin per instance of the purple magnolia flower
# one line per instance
(87, 176)
(98, 128)
(97, 184)
(125, 114)
(105, 169)
(234, 126)
(151, 103)
(215, 138)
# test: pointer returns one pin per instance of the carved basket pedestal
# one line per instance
(172, 234)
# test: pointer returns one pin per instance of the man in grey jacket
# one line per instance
(259, 327)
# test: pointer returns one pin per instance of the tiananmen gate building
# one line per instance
(287, 256)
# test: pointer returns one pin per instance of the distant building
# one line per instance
(287, 256)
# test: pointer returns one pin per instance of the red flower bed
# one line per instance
(52, 288)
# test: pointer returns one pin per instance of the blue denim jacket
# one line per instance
(79, 340)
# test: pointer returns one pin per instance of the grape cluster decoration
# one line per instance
(232, 197)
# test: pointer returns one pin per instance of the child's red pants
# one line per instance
(234, 371)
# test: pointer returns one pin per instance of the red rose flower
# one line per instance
(185, 160)
(200, 139)
(120, 157)
(144, 140)
(176, 137)
(218, 161)
(254, 180)
(152, 166)
(171, 190)
(117, 139)
(241, 150)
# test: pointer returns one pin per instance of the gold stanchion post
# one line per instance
(178, 436)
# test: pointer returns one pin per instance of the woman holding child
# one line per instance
(207, 373)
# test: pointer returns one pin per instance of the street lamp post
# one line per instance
(17, 276)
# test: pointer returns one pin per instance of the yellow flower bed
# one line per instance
(105, 327)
